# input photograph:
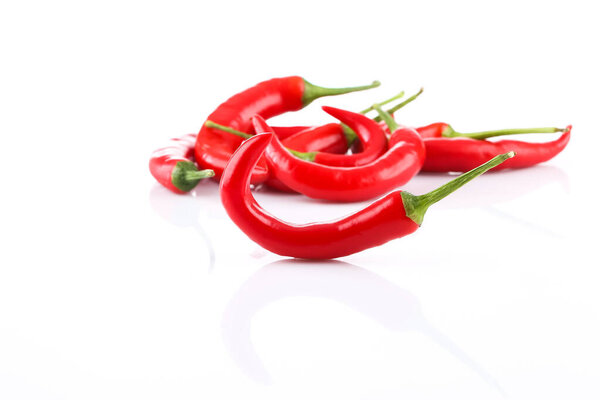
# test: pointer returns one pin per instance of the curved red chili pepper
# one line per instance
(341, 138)
(304, 144)
(393, 216)
(394, 168)
(172, 166)
(317, 144)
(404, 134)
(461, 154)
(328, 138)
(388, 124)
(374, 144)
(268, 99)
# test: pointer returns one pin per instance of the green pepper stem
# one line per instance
(416, 206)
(349, 133)
(185, 175)
(211, 124)
(306, 156)
(386, 117)
(382, 103)
(400, 105)
(197, 175)
(450, 132)
(313, 92)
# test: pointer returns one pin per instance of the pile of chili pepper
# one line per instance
(357, 159)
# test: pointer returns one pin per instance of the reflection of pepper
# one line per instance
(172, 166)
(358, 289)
(462, 154)
(391, 170)
(268, 99)
(393, 216)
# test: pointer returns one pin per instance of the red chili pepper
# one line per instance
(307, 142)
(460, 154)
(315, 145)
(328, 138)
(436, 129)
(444, 130)
(392, 169)
(284, 132)
(448, 150)
(343, 136)
(172, 166)
(321, 138)
(393, 216)
(374, 143)
(355, 145)
(387, 122)
(268, 99)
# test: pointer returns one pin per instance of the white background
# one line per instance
(112, 287)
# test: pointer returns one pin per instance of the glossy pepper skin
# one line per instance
(394, 168)
(343, 136)
(173, 166)
(451, 151)
(435, 130)
(284, 132)
(393, 216)
(328, 138)
(268, 99)
(462, 154)
(317, 143)
(325, 138)
(377, 224)
(373, 141)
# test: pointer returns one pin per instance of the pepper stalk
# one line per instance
(416, 206)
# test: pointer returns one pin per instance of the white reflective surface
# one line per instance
(111, 287)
